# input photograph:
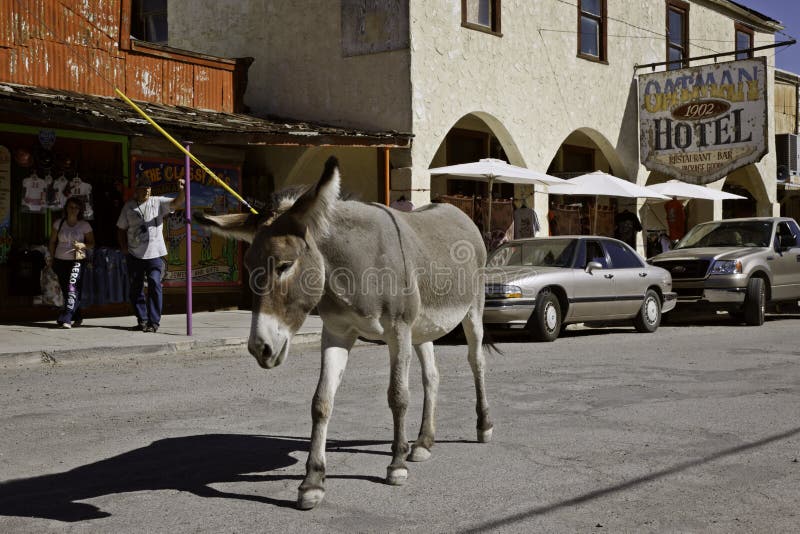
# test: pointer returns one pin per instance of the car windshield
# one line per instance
(539, 253)
(728, 234)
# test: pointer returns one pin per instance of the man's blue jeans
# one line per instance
(147, 309)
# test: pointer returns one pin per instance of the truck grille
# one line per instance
(685, 268)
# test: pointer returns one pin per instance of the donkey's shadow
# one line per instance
(189, 464)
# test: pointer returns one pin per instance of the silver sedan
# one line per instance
(548, 282)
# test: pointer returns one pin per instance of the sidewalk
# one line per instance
(44, 342)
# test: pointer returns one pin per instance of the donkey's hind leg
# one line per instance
(473, 330)
(400, 357)
(421, 450)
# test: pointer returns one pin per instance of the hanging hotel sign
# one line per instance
(700, 124)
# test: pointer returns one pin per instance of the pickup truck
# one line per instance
(736, 265)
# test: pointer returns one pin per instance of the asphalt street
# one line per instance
(694, 428)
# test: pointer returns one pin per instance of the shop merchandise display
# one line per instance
(83, 190)
(51, 289)
(55, 192)
(106, 279)
(526, 222)
(33, 196)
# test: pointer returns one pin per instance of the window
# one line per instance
(483, 15)
(149, 20)
(621, 256)
(744, 40)
(784, 229)
(592, 29)
(593, 251)
(677, 33)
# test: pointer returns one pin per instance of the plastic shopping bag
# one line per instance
(51, 290)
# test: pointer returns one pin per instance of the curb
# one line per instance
(59, 356)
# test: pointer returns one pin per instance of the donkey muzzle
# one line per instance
(266, 356)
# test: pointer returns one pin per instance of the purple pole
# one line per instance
(188, 189)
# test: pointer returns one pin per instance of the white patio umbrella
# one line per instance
(599, 183)
(686, 191)
(493, 170)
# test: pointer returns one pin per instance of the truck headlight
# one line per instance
(726, 267)
(503, 291)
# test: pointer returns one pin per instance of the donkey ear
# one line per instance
(241, 226)
(313, 209)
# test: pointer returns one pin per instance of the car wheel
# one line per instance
(545, 323)
(755, 302)
(649, 316)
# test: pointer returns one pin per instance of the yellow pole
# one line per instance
(182, 149)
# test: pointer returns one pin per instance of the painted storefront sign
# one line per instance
(216, 261)
(702, 123)
(5, 204)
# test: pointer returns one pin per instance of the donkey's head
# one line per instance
(287, 271)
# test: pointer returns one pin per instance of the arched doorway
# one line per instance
(583, 151)
(747, 182)
(473, 137)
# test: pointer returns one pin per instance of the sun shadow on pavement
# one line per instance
(628, 484)
(189, 464)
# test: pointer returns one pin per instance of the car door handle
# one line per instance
(609, 275)
(642, 274)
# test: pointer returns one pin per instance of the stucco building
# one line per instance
(549, 85)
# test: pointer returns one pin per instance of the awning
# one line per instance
(56, 108)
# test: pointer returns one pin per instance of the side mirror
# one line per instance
(592, 265)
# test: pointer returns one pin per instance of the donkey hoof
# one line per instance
(308, 499)
(396, 476)
(485, 436)
(419, 454)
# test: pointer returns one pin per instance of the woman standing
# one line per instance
(69, 240)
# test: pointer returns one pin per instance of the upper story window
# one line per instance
(744, 40)
(483, 15)
(149, 20)
(592, 29)
(677, 33)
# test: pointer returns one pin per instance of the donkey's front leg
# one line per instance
(421, 450)
(400, 359)
(334, 360)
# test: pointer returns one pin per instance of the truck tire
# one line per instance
(754, 302)
(545, 323)
(649, 316)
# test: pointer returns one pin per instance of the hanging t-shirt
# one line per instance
(67, 235)
(676, 218)
(56, 197)
(83, 190)
(33, 196)
(627, 226)
(526, 223)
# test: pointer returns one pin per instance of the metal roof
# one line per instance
(58, 108)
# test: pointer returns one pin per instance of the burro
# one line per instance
(313, 249)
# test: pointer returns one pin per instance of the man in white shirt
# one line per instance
(140, 230)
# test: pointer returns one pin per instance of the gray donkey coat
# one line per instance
(371, 271)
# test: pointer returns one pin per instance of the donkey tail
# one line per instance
(489, 345)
